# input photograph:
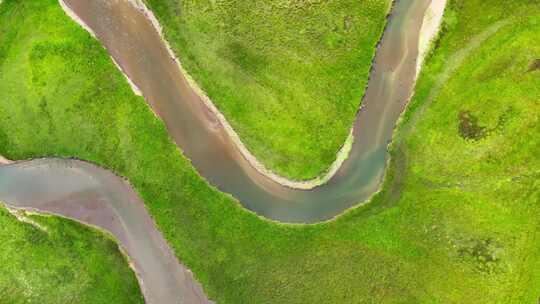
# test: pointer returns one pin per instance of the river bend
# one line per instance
(137, 47)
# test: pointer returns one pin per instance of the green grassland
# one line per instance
(288, 75)
(457, 220)
(54, 260)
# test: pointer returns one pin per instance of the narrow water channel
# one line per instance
(97, 197)
(135, 44)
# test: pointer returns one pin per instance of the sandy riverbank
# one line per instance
(3, 160)
(110, 204)
(430, 28)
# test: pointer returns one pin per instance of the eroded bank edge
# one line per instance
(3, 160)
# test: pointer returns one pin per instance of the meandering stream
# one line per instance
(94, 196)
(137, 47)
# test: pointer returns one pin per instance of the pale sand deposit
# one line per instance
(430, 28)
(3, 160)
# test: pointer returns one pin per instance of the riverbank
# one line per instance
(4, 161)
(203, 140)
(79, 21)
(430, 29)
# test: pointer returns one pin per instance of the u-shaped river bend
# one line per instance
(94, 196)
(137, 47)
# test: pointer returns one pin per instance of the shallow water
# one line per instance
(95, 196)
(137, 47)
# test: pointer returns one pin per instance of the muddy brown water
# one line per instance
(131, 39)
(92, 195)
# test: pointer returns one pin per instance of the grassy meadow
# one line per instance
(457, 220)
(53, 260)
(288, 75)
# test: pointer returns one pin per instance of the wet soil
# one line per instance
(469, 127)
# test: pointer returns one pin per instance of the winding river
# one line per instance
(84, 192)
(94, 196)
(138, 49)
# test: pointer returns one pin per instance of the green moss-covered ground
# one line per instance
(60, 261)
(288, 75)
(457, 221)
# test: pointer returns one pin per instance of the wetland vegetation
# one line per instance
(456, 220)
